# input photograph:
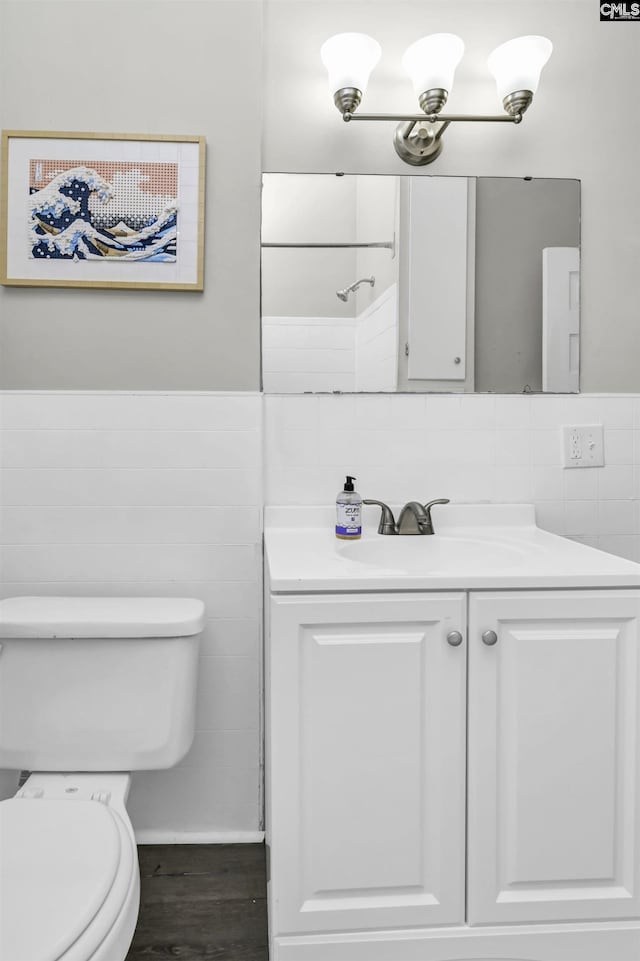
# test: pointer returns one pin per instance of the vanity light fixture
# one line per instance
(431, 63)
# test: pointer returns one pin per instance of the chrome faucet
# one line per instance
(415, 518)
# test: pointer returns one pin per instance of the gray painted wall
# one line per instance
(209, 54)
(325, 209)
(563, 133)
(302, 282)
(515, 220)
(143, 66)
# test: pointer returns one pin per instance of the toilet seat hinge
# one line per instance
(31, 793)
(102, 796)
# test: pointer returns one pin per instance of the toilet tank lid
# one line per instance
(47, 617)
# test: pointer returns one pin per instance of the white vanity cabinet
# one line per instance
(366, 744)
(452, 762)
(554, 757)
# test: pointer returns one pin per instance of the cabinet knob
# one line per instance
(454, 638)
(489, 638)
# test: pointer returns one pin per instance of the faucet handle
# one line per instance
(439, 500)
(427, 509)
(387, 523)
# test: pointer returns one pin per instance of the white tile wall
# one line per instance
(332, 353)
(376, 362)
(110, 493)
(308, 353)
(468, 448)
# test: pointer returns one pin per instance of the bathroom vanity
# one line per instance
(452, 742)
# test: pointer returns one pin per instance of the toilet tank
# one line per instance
(97, 683)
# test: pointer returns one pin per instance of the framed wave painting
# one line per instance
(102, 210)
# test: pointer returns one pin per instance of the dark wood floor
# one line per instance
(205, 901)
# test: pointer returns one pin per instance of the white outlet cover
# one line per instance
(583, 445)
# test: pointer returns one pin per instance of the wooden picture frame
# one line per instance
(102, 210)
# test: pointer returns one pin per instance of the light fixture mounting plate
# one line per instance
(417, 144)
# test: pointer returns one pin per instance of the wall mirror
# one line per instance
(420, 283)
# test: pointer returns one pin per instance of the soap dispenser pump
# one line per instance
(348, 511)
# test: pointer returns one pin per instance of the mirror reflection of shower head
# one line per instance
(344, 293)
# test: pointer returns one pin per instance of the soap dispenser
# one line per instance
(348, 510)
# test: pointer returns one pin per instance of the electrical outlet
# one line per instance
(583, 446)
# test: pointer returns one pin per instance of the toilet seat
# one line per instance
(66, 870)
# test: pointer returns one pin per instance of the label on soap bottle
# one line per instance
(348, 520)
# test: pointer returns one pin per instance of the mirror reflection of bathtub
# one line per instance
(420, 283)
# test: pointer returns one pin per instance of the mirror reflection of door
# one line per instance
(382, 283)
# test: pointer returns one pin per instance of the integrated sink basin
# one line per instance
(475, 546)
(430, 553)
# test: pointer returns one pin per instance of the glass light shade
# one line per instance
(517, 64)
(349, 59)
(432, 61)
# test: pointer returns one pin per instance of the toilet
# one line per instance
(91, 689)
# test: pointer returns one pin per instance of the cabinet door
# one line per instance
(366, 746)
(554, 799)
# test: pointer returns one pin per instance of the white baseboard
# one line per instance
(614, 941)
(200, 837)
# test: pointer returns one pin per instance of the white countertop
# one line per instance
(475, 547)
